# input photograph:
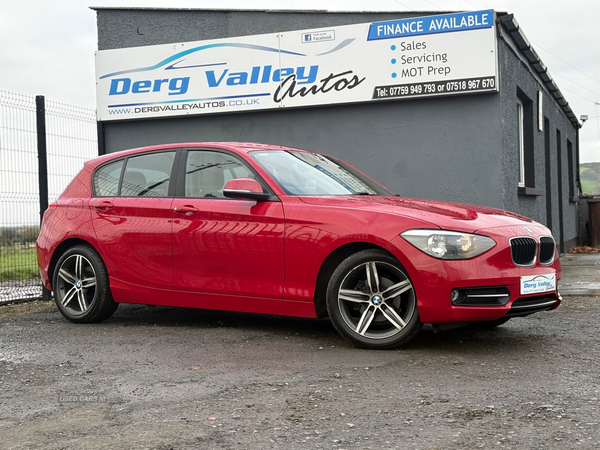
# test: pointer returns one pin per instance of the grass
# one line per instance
(18, 264)
(589, 186)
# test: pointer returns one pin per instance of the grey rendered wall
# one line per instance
(441, 148)
(515, 75)
(415, 148)
(119, 28)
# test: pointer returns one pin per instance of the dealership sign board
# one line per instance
(418, 57)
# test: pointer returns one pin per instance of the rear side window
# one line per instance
(146, 175)
(106, 179)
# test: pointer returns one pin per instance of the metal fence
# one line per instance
(43, 145)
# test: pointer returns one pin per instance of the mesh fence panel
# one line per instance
(71, 139)
(19, 197)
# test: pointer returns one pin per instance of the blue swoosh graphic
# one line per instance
(172, 66)
(540, 276)
(197, 49)
(339, 47)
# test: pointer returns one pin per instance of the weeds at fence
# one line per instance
(18, 263)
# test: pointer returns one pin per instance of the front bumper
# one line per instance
(434, 280)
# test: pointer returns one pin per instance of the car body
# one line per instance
(276, 230)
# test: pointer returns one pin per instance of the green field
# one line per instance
(18, 264)
(588, 186)
(589, 174)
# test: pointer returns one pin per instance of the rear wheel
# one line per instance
(371, 301)
(81, 287)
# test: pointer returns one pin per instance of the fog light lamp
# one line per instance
(454, 295)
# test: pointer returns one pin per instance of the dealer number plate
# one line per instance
(534, 284)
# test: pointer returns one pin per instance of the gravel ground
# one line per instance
(167, 378)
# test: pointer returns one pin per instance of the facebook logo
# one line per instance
(318, 36)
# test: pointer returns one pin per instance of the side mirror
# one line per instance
(249, 189)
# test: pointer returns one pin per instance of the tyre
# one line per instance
(372, 302)
(81, 288)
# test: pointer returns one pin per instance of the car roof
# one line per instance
(237, 147)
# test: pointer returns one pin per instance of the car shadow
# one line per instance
(510, 337)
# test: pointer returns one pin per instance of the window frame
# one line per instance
(173, 175)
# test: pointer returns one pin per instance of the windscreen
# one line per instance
(305, 173)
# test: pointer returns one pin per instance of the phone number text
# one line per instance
(435, 87)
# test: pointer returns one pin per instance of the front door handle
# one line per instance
(103, 206)
(186, 209)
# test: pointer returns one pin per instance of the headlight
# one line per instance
(448, 244)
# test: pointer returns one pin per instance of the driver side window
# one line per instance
(207, 172)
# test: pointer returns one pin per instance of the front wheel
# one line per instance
(81, 287)
(372, 302)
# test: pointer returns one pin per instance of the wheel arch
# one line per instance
(62, 248)
(330, 264)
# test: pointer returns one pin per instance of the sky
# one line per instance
(48, 46)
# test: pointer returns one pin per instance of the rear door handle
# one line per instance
(186, 209)
(103, 206)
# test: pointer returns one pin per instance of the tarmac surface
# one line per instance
(581, 274)
(176, 378)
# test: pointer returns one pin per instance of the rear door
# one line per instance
(131, 214)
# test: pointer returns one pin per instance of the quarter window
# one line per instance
(106, 179)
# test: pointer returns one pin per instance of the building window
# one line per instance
(525, 128)
(520, 116)
(572, 197)
(548, 169)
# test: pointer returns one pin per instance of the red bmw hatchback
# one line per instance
(276, 230)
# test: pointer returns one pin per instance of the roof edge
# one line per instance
(301, 11)
(511, 26)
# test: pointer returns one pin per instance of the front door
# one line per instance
(223, 245)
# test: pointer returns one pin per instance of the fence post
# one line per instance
(101, 142)
(40, 107)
